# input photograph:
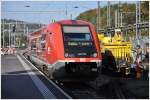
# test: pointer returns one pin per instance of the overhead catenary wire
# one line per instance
(40, 11)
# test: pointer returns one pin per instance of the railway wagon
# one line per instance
(66, 49)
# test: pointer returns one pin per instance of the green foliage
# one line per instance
(145, 10)
(128, 18)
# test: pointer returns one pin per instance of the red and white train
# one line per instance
(66, 49)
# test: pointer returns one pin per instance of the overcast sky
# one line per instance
(45, 11)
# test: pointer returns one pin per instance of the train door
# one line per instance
(43, 46)
(33, 46)
(50, 53)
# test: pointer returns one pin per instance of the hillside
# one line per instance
(20, 24)
(128, 18)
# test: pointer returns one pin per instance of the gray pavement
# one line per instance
(18, 81)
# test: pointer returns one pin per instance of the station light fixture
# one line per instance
(27, 6)
(76, 7)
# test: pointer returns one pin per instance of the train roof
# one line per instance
(38, 30)
(63, 22)
(81, 22)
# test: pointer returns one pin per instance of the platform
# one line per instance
(20, 80)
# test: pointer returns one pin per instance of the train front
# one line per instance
(82, 57)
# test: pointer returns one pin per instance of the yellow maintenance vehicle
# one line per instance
(113, 44)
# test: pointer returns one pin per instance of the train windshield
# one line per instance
(78, 42)
(77, 33)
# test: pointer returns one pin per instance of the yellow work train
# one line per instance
(116, 44)
(116, 52)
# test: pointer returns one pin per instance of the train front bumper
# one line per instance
(70, 67)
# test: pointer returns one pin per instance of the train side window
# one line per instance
(51, 35)
(33, 45)
(43, 40)
(43, 36)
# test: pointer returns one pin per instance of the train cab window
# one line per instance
(43, 36)
(77, 33)
(78, 41)
(43, 40)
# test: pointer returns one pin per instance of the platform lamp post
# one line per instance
(27, 32)
(3, 33)
(66, 12)
(71, 13)
(76, 7)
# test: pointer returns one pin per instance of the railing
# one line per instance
(120, 51)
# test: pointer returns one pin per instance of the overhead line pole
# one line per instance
(9, 36)
(108, 14)
(118, 15)
(15, 35)
(139, 17)
(27, 36)
(136, 20)
(98, 17)
(109, 21)
(24, 28)
(120, 9)
(116, 19)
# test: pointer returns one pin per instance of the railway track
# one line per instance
(88, 90)
(82, 90)
(53, 86)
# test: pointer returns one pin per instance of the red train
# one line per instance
(66, 49)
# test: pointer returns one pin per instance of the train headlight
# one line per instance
(66, 54)
(94, 54)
